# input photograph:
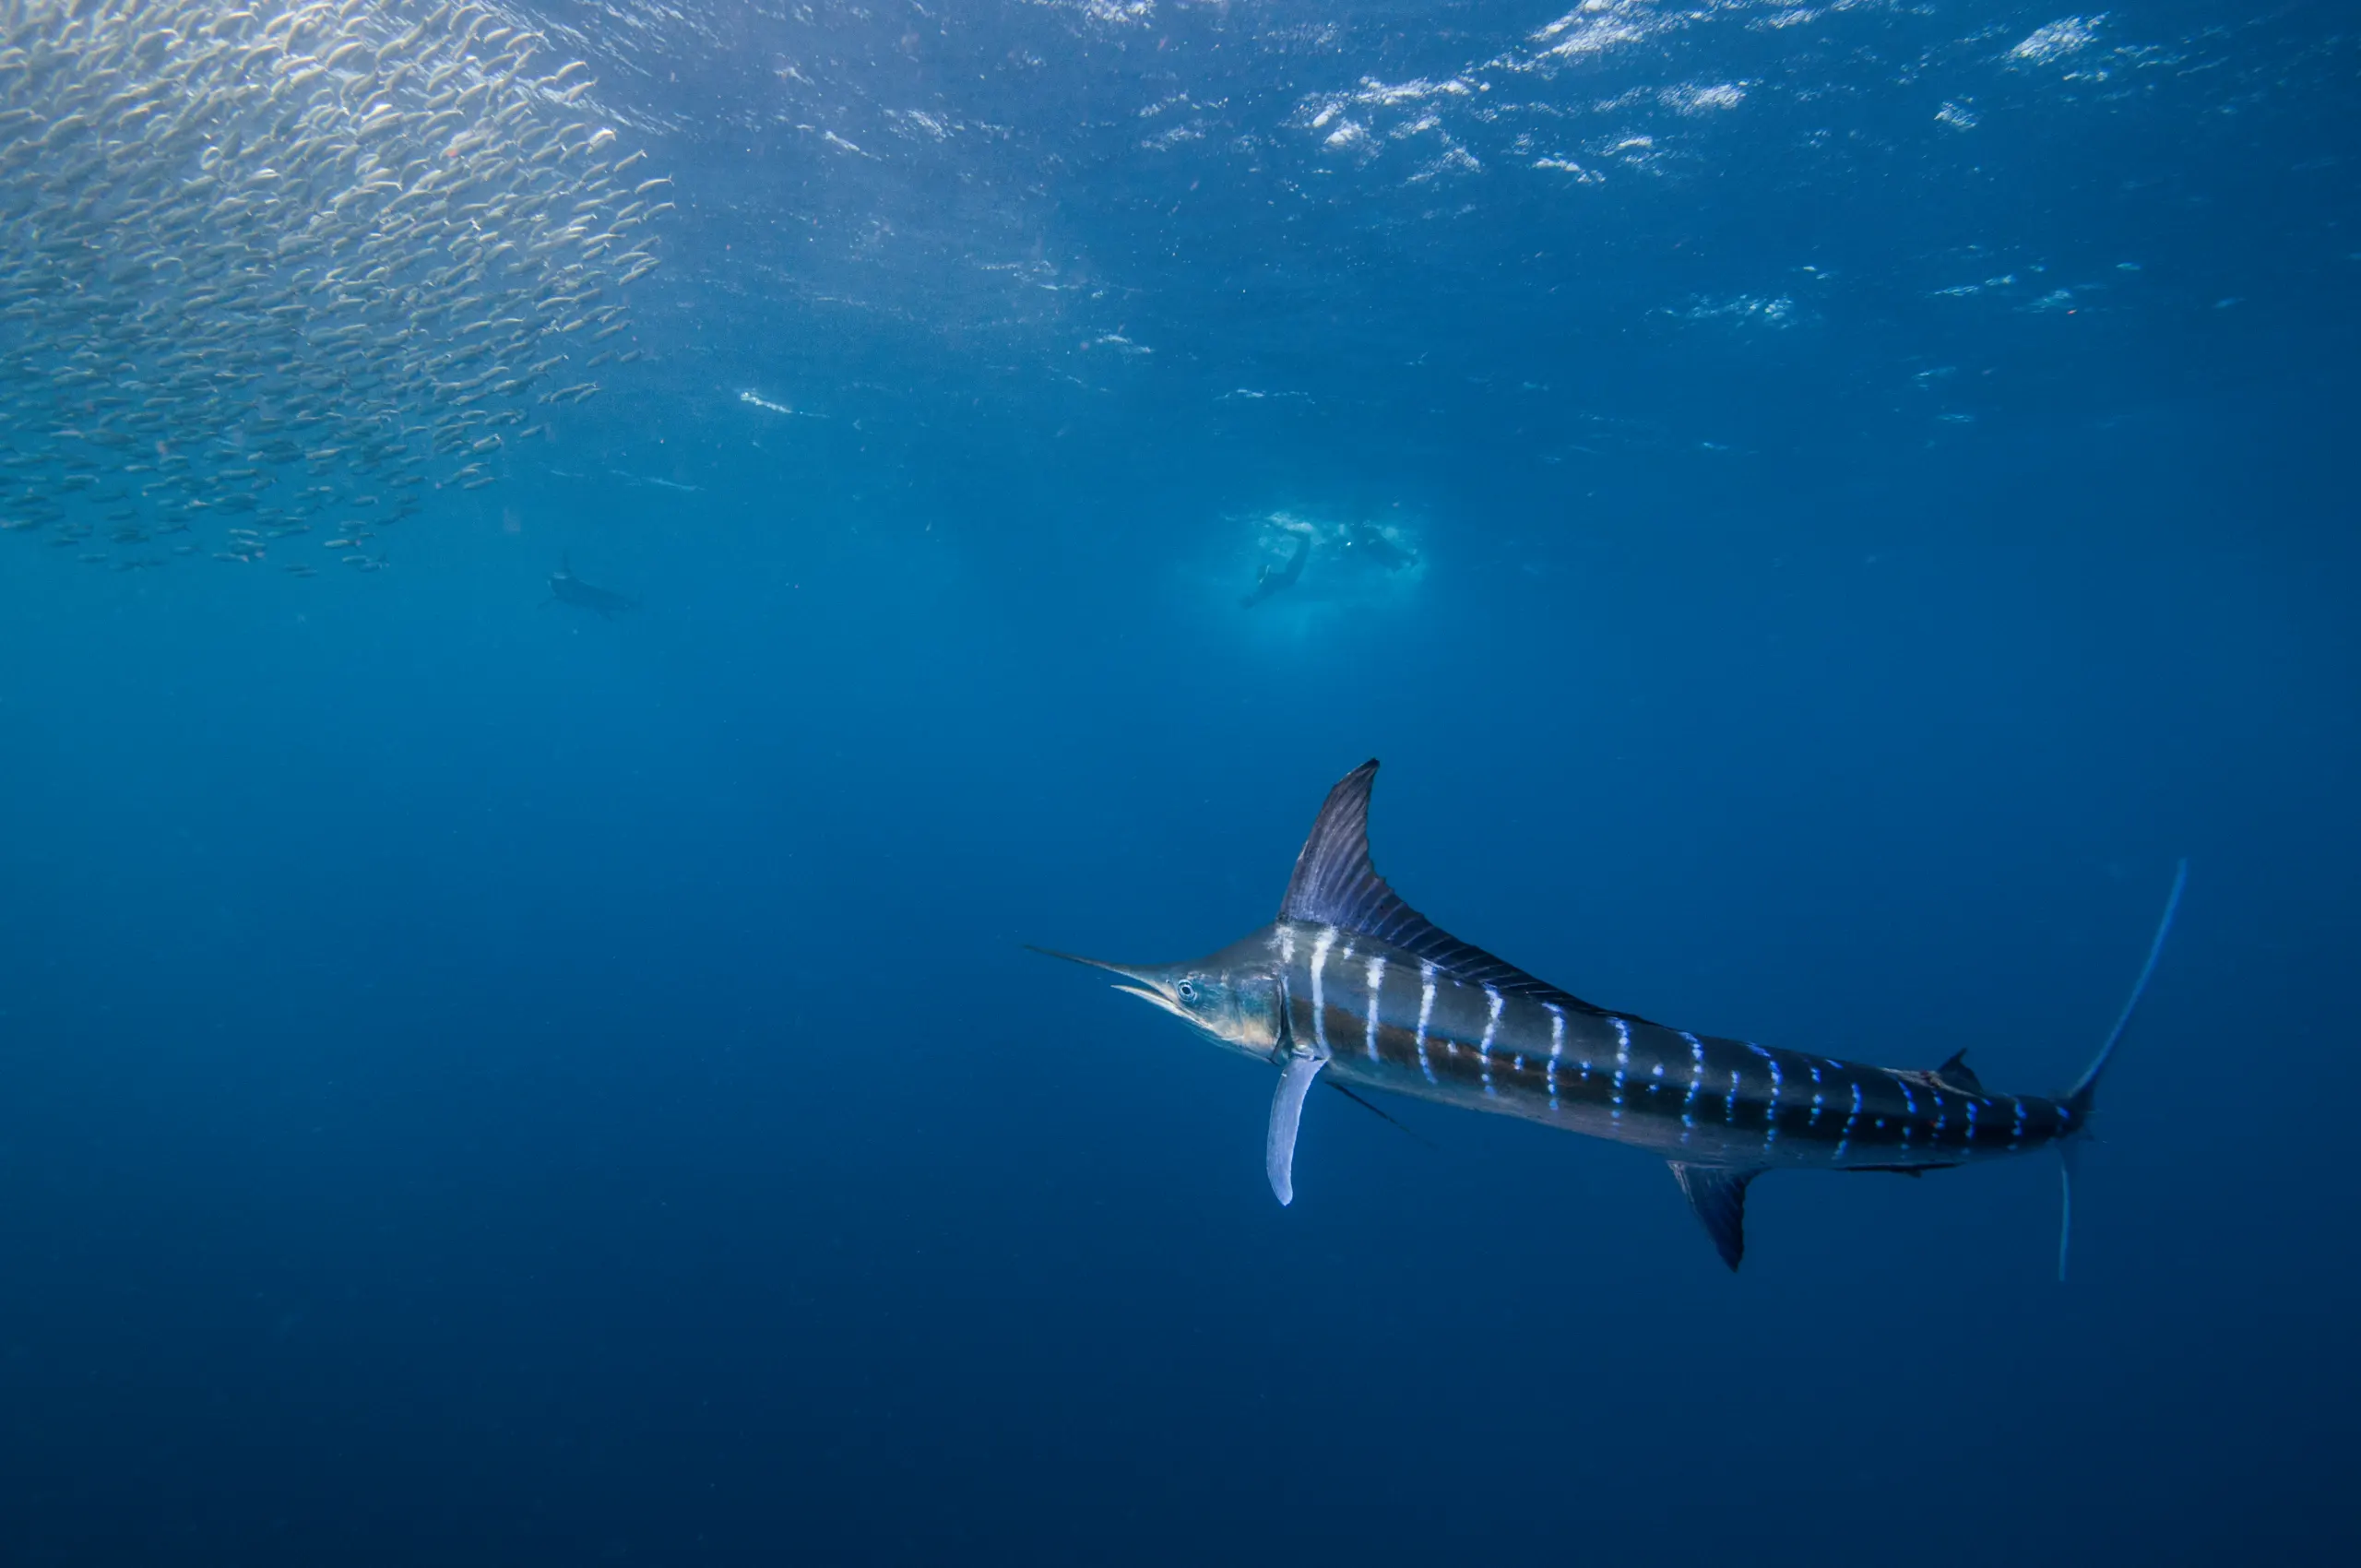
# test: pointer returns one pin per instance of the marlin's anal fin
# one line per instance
(1296, 1074)
(1718, 1194)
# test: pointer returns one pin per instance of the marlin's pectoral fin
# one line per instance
(1718, 1196)
(1287, 1111)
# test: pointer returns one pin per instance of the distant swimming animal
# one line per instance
(568, 588)
(758, 400)
(1274, 577)
(1352, 982)
(1373, 543)
(651, 478)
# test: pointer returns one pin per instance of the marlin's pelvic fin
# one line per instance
(1381, 1113)
(1287, 1113)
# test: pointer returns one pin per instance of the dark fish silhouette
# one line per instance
(1372, 545)
(1277, 575)
(568, 588)
(1352, 980)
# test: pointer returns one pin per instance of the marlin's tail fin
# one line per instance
(2079, 1097)
(2065, 1203)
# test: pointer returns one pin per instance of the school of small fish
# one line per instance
(270, 271)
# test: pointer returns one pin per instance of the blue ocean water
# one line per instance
(1863, 490)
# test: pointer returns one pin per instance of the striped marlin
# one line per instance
(1351, 984)
(568, 588)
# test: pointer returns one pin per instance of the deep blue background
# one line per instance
(481, 1084)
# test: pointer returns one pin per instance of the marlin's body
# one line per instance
(1351, 984)
(568, 588)
(1391, 1020)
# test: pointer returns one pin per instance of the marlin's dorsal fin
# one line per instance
(1334, 884)
(1286, 1114)
(1956, 1073)
(1718, 1194)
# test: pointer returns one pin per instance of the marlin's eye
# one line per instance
(1188, 991)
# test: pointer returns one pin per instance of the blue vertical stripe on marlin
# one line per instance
(1352, 984)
